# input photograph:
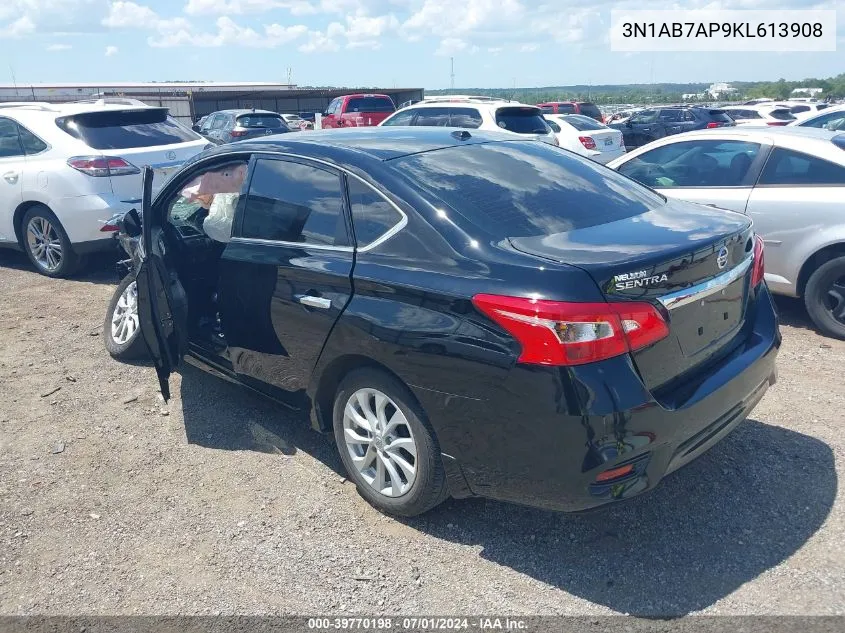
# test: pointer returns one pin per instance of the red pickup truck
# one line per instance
(358, 110)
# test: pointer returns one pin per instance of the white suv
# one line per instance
(66, 168)
(476, 113)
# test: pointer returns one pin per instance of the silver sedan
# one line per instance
(789, 180)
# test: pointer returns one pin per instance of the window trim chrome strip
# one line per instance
(700, 291)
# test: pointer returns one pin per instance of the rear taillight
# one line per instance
(759, 270)
(109, 228)
(100, 166)
(713, 124)
(776, 122)
(238, 133)
(563, 333)
(587, 142)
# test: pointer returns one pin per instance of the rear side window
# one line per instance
(521, 120)
(671, 115)
(822, 106)
(124, 129)
(781, 115)
(799, 108)
(293, 202)
(525, 189)
(402, 118)
(259, 121)
(370, 104)
(590, 110)
(566, 108)
(465, 118)
(700, 163)
(10, 144)
(547, 109)
(372, 214)
(646, 116)
(432, 117)
(786, 167)
(583, 123)
(31, 143)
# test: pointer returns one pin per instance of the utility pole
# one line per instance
(452, 76)
(290, 75)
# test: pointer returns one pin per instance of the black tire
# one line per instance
(429, 486)
(824, 297)
(132, 348)
(70, 261)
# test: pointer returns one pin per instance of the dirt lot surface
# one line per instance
(221, 502)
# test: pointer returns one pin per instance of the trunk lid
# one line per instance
(606, 140)
(165, 161)
(661, 256)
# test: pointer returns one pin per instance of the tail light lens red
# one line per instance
(587, 142)
(101, 166)
(564, 333)
(238, 133)
(759, 267)
(713, 124)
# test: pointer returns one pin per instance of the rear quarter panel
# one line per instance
(795, 223)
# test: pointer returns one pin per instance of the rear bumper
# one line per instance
(606, 157)
(83, 216)
(541, 436)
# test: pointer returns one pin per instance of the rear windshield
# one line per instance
(590, 110)
(583, 123)
(781, 115)
(526, 189)
(719, 115)
(370, 104)
(260, 120)
(124, 129)
(522, 120)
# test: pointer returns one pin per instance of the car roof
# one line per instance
(469, 102)
(237, 112)
(375, 143)
(67, 109)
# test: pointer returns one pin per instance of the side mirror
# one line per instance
(130, 224)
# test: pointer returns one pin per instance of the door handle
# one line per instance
(11, 177)
(315, 302)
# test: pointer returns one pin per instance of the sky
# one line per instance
(383, 43)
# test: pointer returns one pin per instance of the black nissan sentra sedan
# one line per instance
(468, 314)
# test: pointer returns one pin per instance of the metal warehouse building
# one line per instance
(189, 101)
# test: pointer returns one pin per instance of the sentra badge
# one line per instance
(638, 279)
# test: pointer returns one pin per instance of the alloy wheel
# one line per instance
(44, 244)
(124, 322)
(380, 442)
(834, 301)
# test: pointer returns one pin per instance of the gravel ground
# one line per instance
(221, 502)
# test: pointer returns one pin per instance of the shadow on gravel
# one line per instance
(223, 415)
(738, 511)
(793, 313)
(723, 520)
(99, 268)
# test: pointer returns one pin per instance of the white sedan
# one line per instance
(586, 136)
(764, 114)
(789, 180)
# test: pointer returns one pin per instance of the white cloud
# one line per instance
(20, 27)
(130, 15)
(55, 48)
(229, 33)
(320, 42)
(238, 7)
(111, 51)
